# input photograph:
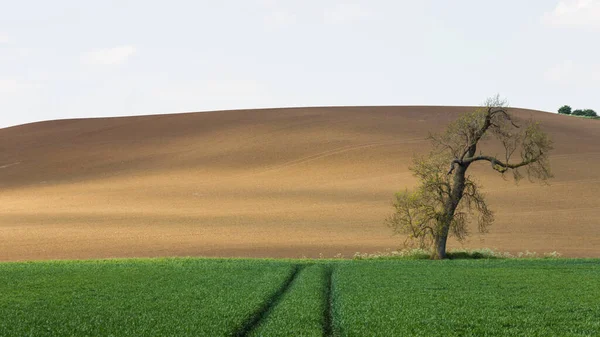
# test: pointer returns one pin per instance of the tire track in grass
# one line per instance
(255, 319)
(328, 297)
(304, 310)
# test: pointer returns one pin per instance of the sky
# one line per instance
(77, 59)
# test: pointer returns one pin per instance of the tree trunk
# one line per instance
(439, 249)
(458, 187)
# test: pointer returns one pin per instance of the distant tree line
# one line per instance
(566, 110)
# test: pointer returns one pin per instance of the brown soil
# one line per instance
(266, 183)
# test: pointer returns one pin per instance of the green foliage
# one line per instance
(585, 113)
(403, 254)
(420, 213)
(578, 112)
(168, 297)
(467, 298)
(589, 113)
(565, 110)
(453, 254)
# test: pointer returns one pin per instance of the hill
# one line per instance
(275, 182)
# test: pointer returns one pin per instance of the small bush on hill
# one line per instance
(590, 113)
(565, 110)
(585, 112)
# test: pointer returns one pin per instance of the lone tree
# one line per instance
(565, 110)
(447, 197)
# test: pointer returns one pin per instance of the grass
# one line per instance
(455, 254)
(587, 117)
(243, 297)
(179, 297)
(302, 311)
(468, 298)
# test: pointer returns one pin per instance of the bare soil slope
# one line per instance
(277, 182)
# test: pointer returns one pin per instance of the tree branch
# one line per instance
(453, 165)
(499, 165)
(506, 115)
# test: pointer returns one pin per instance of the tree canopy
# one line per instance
(585, 112)
(565, 110)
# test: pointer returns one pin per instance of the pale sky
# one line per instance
(74, 58)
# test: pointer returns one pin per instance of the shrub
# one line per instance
(589, 113)
(585, 112)
(565, 110)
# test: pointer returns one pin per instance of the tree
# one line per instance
(578, 112)
(565, 110)
(589, 113)
(447, 197)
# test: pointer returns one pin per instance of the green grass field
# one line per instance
(242, 297)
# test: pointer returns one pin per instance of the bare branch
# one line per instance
(498, 165)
